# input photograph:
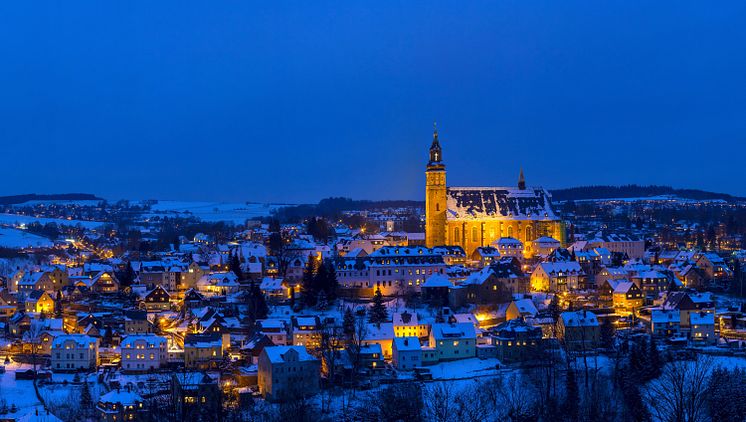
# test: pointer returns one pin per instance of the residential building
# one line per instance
(287, 372)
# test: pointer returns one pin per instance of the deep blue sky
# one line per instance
(276, 101)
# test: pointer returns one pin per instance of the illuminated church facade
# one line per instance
(471, 217)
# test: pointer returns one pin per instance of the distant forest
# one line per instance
(334, 207)
(634, 191)
(19, 199)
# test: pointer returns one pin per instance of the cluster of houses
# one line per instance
(185, 311)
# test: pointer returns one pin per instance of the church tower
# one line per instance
(521, 181)
(435, 196)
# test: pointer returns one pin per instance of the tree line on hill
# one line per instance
(633, 191)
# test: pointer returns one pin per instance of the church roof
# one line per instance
(499, 203)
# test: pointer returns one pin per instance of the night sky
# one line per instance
(296, 101)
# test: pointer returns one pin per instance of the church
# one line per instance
(471, 217)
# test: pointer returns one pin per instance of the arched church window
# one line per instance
(437, 207)
(474, 234)
(456, 235)
(529, 234)
(510, 231)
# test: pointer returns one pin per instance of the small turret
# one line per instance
(521, 181)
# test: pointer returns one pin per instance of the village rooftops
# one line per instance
(407, 343)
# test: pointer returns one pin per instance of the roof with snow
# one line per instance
(498, 203)
(579, 319)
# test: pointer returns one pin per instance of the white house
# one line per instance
(143, 352)
(72, 352)
(406, 353)
(454, 341)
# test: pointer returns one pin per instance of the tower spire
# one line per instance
(436, 154)
(521, 181)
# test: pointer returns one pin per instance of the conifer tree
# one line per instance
(378, 312)
(86, 401)
(348, 324)
(654, 361)
(308, 283)
(572, 397)
(234, 265)
(607, 334)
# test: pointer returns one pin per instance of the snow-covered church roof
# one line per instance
(499, 203)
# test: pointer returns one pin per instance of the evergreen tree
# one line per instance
(322, 303)
(332, 284)
(234, 265)
(654, 361)
(635, 409)
(128, 275)
(570, 409)
(348, 324)
(258, 308)
(607, 334)
(292, 297)
(86, 401)
(378, 312)
(309, 292)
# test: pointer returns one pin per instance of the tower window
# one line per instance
(456, 235)
(474, 234)
(437, 207)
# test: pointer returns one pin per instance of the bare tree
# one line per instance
(680, 393)
(439, 403)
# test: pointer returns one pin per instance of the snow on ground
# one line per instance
(465, 368)
(21, 392)
(235, 212)
(19, 239)
(17, 219)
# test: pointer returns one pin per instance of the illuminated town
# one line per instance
(496, 300)
(481, 211)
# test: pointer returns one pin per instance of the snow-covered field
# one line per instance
(19, 239)
(21, 393)
(16, 219)
(234, 212)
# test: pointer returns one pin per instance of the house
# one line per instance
(406, 324)
(287, 372)
(406, 353)
(579, 330)
(73, 352)
(453, 341)
(521, 309)
(104, 282)
(119, 405)
(714, 267)
(381, 334)
(435, 289)
(517, 341)
(651, 282)
(144, 352)
(485, 255)
(195, 393)
(557, 277)
(274, 289)
(496, 283)
(370, 356)
(39, 301)
(688, 304)
(509, 246)
(306, 331)
(218, 284)
(158, 299)
(275, 329)
(702, 327)
(627, 296)
(542, 246)
(136, 322)
(204, 351)
(665, 323)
